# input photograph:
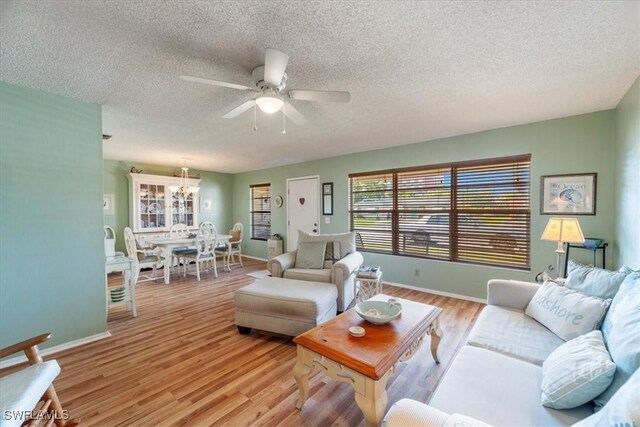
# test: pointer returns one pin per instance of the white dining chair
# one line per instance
(234, 247)
(179, 231)
(143, 258)
(110, 242)
(205, 250)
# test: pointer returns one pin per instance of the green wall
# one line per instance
(627, 179)
(51, 250)
(214, 186)
(562, 146)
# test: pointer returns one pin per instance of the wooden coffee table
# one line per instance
(366, 362)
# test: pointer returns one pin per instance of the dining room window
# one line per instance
(474, 212)
(260, 211)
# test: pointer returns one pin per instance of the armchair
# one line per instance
(28, 395)
(340, 265)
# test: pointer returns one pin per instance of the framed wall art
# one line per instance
(568, 194)
(327, 198)
(107, 204)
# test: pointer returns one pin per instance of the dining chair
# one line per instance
(179, 231)
(143, 258)
(206, 241)
(234, 247)
(110, 242)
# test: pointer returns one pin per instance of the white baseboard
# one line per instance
(55, 349)
(441, 293)
(254, 257)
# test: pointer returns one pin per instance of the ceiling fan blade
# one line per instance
(240, 109)
(275, 64)
(295, 115)
(320, 95)
(215, 83)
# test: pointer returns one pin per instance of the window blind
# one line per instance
(473, 212)
(260, 211)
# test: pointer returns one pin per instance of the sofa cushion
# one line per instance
(479, 381)
(512, 332)
(310, 255)
(594, 281)
(311, 274)
(567, 313)
(620, 330)
(622, 410)
(343, 243)
(576, 372)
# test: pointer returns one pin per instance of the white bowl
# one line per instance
(377, 312)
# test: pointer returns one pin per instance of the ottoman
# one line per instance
(284, 306)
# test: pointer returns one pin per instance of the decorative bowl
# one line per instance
(378, 312)
(117, 294)
(592, 242)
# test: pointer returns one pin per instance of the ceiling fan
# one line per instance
(270, 82)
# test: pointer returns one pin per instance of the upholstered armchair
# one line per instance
(338, 266)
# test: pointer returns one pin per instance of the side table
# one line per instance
(126, 265)
(364, 287)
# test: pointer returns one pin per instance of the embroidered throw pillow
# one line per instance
(576, 372)
(567, 313)
(622, 410)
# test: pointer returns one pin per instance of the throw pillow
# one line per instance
(344, 243)
(567, 313)
(576, 372)
(621, 334)
(594, 281)
(622, 410)
(310, 255)
(235, 235)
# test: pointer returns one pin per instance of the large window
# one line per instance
(474, 212)
(260, 211)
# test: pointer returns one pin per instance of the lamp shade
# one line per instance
(563, 230)
(269, 103)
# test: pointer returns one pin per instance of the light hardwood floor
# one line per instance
(182, 362)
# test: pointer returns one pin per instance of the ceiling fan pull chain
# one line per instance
(284, 121)
(255, 118)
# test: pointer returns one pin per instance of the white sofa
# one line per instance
(496, 376)
(340, 272)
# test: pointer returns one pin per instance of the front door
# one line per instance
(303, 211)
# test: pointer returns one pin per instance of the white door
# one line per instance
(303, 208)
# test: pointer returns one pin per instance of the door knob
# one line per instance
(314, 230)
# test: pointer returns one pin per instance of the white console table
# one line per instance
(124, 264)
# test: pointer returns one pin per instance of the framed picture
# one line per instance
(327, 198)
(107, 204)
(568, 194)
(206, 205)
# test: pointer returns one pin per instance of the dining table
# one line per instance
(168, 244)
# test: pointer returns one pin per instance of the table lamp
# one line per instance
(562, 230)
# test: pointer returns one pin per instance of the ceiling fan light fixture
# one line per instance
(269, 103)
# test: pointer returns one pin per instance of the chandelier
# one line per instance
(184, 188)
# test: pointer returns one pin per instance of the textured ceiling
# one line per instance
(416, 70)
